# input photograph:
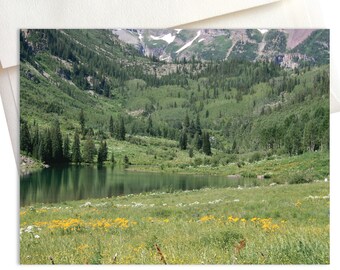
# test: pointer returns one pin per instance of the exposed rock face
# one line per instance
(170, 45)
(27, 164)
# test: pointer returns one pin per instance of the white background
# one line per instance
(9, 192)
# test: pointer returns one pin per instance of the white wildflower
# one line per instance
(36, 236)
(29, 229)
(87, 204)
(215, 201)
(134, 204)
(194, 203)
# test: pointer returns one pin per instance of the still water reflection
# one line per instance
(84, 182)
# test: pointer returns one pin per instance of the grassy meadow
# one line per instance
(276, 224)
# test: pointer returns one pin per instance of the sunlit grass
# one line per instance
(282, 224)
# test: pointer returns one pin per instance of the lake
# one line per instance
(58, 184)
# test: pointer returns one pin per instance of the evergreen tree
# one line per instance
(198, 125)
(82, 122)
(66, 149)
(35, 142)
(198, 141)
(149, 129)
(186, 121)
(126, 161)
(111, 130)
(121, 129)
(57, 142)
(76, 155)
(206, 144)
(25, 138)
(102, 152)
(183, 140)
(45, 147)
(234, 148)
(89, 150)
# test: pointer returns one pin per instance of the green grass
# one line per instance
(163, 155)
(193, 227)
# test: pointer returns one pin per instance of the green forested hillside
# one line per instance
(88, 83)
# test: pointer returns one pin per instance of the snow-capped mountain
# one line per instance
(284, 45)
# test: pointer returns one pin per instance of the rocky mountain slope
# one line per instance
(284, 45)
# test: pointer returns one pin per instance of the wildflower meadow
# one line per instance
(278, 224)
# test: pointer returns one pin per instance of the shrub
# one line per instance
(248, 174)
(198, 161)
(191, 152)
(255, 157)
(215, 161)
(206, 161)
(299, 179)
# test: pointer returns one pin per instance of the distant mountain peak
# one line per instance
(219, 44)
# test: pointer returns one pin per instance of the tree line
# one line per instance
(51, 147)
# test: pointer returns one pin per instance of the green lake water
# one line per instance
(58, 184)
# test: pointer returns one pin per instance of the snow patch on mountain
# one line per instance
(201, 40)
(189, 43)
(168, 38)
(178, 30)
(263, 31)
(165, 58)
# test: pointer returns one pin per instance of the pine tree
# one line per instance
(149, 129)
(183, 140)
(186, 121)
(122, 132)
(198, 125)
(45, 147)
(35, 142)
(206, 144)
(82, 122)
(111, 130)
(57, 142)
(76, 155)
(192, 129)
(102, 152)
(198, 141)
(126, 161)
(89, 150)
(25, 138)
(66, 149)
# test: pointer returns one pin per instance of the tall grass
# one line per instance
(282, 224)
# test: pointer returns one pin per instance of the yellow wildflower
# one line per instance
(82, 247)
(207, 218)
(298, 204)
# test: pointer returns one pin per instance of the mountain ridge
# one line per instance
(171, 45)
